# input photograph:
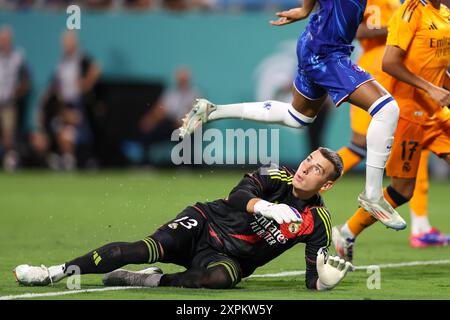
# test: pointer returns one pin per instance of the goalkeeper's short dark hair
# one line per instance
(336, 160)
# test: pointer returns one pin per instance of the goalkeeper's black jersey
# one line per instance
(255, 240)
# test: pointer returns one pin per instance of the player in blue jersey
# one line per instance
(325, 68)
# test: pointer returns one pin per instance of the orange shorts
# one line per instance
(409, 141)
(371, 62)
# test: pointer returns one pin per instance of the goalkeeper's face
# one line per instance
(313, 174)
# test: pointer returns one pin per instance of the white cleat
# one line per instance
(198, 115)
(382, 211)
(342, 245)
(32, 276)
(149, 277)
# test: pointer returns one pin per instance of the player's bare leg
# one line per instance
(300, 113)
(373, 98)
(307, 107)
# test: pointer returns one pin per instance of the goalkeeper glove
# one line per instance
(278, 212)
(331, 271)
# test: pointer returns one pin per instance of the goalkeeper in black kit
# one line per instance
(223, 241)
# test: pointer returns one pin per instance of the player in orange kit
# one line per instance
(417, 56)
(372, 35)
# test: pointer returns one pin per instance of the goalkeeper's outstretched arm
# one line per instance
(248, 196)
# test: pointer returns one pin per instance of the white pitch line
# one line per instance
(387, 265)
(279, 274)
(267, 275)
(63, 293)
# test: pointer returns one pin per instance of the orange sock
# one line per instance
(419, 201)
(361, 219)
(349, 158)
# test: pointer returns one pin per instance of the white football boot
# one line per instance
(198, 115)
(32, 276)
(149, 277)
(342, 245)
(382, 211)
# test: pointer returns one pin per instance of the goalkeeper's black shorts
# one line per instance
(188, 240)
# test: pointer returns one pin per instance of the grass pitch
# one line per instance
(48, 218)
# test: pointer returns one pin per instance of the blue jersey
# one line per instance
(333, 27)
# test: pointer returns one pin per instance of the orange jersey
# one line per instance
(424, 33)
(377, 15)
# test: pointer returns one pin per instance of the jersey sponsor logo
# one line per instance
(441, 45)
(267, 230)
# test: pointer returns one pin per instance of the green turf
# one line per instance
(48, 218)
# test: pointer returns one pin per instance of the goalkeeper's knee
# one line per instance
(222, 275)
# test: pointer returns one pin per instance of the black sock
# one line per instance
(113, 256)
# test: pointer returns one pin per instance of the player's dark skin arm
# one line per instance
(364, 32)
(394, 66)
(293, 15)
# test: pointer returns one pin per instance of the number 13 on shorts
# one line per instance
(187, 222)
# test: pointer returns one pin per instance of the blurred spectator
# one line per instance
(175, 5)
(16, 4)
(160, 121)
(140, 4)
(56, 4)
(98, 4)
(14, 85)
(203, 4)
(258, 5)
(63, 122)
(176, 102)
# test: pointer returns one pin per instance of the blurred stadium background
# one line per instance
(142, 64)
